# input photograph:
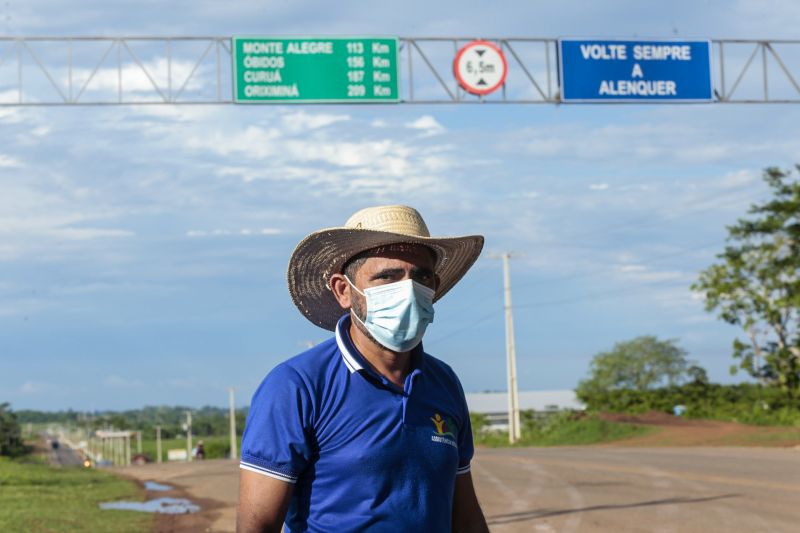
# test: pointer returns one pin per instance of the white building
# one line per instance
(495, 404)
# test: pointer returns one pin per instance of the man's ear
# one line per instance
(341, 290)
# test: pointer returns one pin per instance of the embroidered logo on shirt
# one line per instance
(444, 428)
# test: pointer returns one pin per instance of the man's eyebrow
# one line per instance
(387, 272)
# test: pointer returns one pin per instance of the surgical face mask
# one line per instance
(397, 313)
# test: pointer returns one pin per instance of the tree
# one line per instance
(697, 374)
(639, 364)
(11, 443)
(756, 285)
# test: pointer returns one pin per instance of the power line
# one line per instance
(593, 272)
(466, 327)
(593, 295)
(651, 222)
(612, 293)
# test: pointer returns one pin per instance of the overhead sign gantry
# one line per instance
(69, 71)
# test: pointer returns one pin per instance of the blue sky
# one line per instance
(143, 249)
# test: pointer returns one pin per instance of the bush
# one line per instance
(561, 428)
(11, 443)
(747, 403)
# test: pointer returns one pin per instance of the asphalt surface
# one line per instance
(643, 489)
(63, 455)
(581, 489)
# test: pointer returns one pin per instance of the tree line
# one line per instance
(206, 421)
(11, 443)
(754, 285)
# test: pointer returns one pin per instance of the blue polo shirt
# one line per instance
(363, 454)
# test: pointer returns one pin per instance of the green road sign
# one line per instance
(284, 70)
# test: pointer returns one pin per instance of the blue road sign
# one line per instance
(635, 71)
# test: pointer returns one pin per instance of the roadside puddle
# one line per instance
(159, 505)
(156, 487)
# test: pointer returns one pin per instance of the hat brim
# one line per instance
(324, 253)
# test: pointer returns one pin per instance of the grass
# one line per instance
(216, 447)
(565, 431)
(37, 497)
(774, 437)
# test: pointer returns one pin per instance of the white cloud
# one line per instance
(427, 124)
(136, 79)
(300, 122)
(638, 273)
(6, 161)
(240, 232)
(253, 142)
(81, 234)
(681, 138)
(34, 387)
(598, 186)
(737, 179)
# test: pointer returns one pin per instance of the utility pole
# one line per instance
(514, 432)
(188, 435)
(232, 416)
(158, 443)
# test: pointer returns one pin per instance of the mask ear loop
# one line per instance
(352, 312)
(354, 286)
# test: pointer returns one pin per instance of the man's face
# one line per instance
(390, 265)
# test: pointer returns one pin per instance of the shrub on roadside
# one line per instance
(561, 428)
(11, 444)
(745, 402)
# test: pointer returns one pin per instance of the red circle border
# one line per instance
(463, 84)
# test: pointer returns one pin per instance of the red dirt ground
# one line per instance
(676, 431)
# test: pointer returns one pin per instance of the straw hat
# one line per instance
(325, 252)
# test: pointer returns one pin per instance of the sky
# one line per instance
(143, 249)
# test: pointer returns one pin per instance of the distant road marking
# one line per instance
(643, 471)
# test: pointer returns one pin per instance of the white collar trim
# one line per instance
(350, 361)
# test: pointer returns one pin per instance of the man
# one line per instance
(365, 431)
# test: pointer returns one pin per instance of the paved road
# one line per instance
(655, 489)
(63, 455)
(588, 489)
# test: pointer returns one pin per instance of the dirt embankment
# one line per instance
(211, 484)
(672, 430)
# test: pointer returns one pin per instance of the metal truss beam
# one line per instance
(70, 71)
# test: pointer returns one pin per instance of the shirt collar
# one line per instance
(353, 359)
(350, 355)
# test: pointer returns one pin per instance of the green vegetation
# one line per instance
(37, 497)
(215, 447)
(565, 428)
(747, 403)
(756, 285)
(778, 437)
(639, 364)
(627, 378)
(205, 420)
(11, 444)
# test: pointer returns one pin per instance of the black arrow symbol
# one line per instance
(481, 82)
(480, 51)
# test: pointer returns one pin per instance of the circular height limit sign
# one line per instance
(480, 67)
